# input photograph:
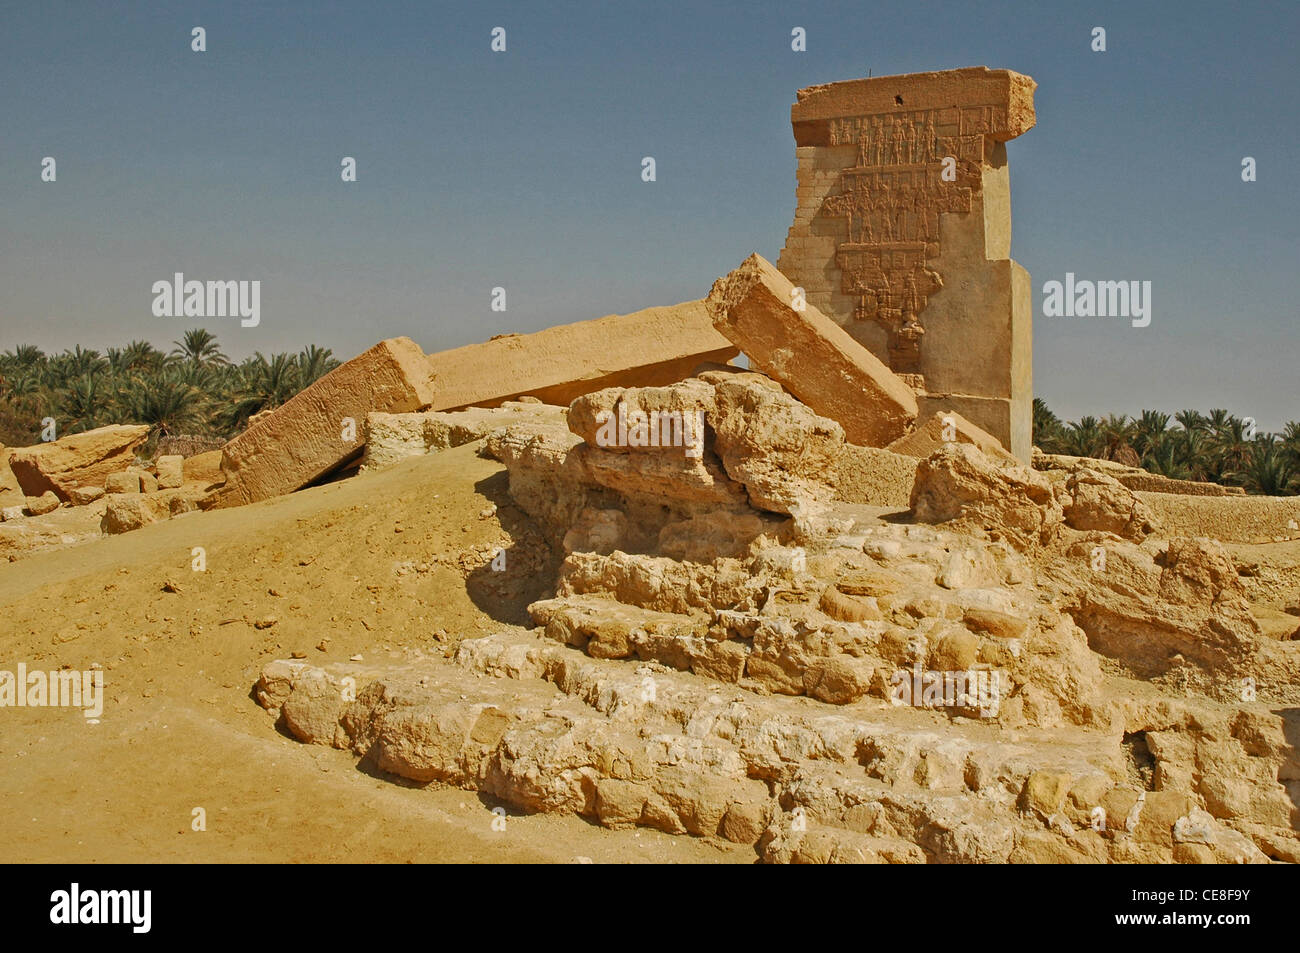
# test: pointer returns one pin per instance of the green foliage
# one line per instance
(194, 390)
(1187, 446)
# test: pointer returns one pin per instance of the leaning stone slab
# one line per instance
(642, 349)
(946, 427)
(77, 460)
(322, 427)
(810, 355)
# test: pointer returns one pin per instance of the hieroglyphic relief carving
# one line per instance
(891, 199)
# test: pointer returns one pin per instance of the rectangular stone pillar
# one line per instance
(902, 234)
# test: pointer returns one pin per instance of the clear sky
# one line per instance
(522, 169)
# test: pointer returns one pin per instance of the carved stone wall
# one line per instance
(902, 234)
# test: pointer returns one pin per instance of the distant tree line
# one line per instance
(192, 389)
(1214, 448)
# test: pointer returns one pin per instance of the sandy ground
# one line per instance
(384, 565)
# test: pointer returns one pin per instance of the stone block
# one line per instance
(322, 427)
(646, 348)
(809, 355)
(76, 460)
(171, 471)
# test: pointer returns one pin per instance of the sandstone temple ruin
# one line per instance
(902, 234)
(861, 620)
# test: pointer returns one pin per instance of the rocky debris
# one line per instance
(47, 502)
(779, 449)
(528, 720)
(651, 347)
(125, 512)
(959, 487)
(203, 468)
(125, 481)
(320, 428)
(1134, 478)
(10, 513)
(391, 438)
(84, 495)
(77, 460)
(1099, 502)
(810, 355)
(11, 494)
(1174, 609)
(171, 471)
(722, 442)
(947, 427)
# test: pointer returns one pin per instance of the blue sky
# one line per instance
(522, 169)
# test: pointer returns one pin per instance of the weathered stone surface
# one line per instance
(1161, 610)
(82, 495)
(1134, 478)
(307, 437)
(131, 511)
(391, 438)
(645, 348)
(171, 471)
(127, 512)
(947, 427)
(874, 476)
(47, 502)
(666, 419)
(959, 486)
(782, 452)
(11, 494)
(1099, 502)
(810, 355)
(916, 265)
(203, 468)
(127, 481)
(76, 460)
(312, 710)
(1241, 519)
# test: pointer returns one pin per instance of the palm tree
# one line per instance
(1229, 450)
(1291, 442)
(1084, 438)
(199, 346)
(24, 355)
(1164, 457)
(1267, 470)
(313, 364)
(262, 385)
(1117, 435)
(1148, 429)
(168, 404)
(1047, 428)
(83, 404)
(76, 363)
(1191, 420)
